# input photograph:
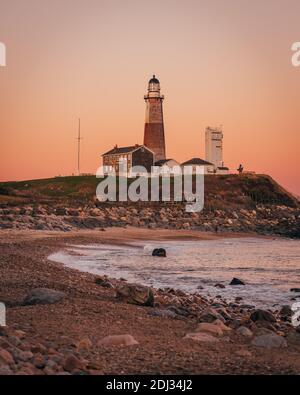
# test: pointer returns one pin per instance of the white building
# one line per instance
(214, 149)
(194, 163)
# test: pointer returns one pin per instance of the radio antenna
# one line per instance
(79, 138)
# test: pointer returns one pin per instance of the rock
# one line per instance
(25, 356)
(259, 331)
(161, 252)
(165, 313)
(244, 331)
(118, 340)
(95, 212)
(60, 211)
(295, 289)
(6, 357)
(103, 282)
(180, 311)
(219, 285)
(236, 281)
(135, 294)
(39, 348)
(269, 341)
(39, 361)
(262, 315)
(201, 337)
(43, 296)
(238, 299)
(71, 363)
(209, 328)
(19, 334)
(220, 324)
(210, 315)
(84, 344)
(224, 313)
(286, 311)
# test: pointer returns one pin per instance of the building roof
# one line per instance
(162, 162)
(196, 161)
(125, 150)
(154, 80)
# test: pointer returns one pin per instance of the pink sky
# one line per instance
(219, 62)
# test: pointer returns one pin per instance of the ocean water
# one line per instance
(269, 267)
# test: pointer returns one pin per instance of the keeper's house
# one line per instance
(135, 155)
(192, 165)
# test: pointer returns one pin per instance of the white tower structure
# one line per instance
(214, 148)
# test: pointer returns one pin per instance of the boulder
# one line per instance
(269, 341)
(42, 296)
(236, 281)
(135, 294)
(212, 329)
(160, 252)
(118, 340)
(244, 331)
(221, 325)
(262, 315)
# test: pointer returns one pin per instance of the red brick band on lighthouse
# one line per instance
(154, 136)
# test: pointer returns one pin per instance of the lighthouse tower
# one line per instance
(154, 136)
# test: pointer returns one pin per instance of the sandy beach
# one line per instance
(51, 335)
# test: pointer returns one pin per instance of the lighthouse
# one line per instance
(154, 135)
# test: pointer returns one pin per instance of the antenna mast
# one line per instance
(79, 138)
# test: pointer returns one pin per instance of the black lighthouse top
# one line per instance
(154, 80)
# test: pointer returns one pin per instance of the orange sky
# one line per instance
(219, 62)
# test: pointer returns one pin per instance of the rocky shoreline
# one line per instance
(61, 321)
(267, 220)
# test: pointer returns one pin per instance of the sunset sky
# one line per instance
(219, 62)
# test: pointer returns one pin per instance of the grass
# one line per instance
(221, 191)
